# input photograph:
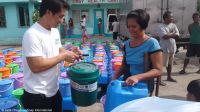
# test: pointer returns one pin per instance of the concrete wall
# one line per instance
(12, 33)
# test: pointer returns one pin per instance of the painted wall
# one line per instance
(90, 24)
(12, 33)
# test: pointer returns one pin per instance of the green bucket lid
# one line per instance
(18, 92)
(84, 71)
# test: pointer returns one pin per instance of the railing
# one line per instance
(94, 1)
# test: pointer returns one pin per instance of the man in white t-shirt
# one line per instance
(115, 25)
(42, 53)
(168, 32)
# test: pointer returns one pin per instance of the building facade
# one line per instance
(15, 18)
(93, 9)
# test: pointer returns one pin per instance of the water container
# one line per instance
(6, 87)
(64, 87)
(103, 79)
(18, 80)
(9, 104)
(18, 94)
(19, 62)
(118, 94)
(84, 76)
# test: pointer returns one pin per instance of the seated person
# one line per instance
(194, 91)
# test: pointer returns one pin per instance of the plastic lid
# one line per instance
(8, 103)
(18, 75)
(4, 69)
(83, 71)
(19, 91)
(5, 81)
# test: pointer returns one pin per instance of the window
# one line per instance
(23, 15)
(2, 17)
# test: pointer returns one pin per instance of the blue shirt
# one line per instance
(135, 55)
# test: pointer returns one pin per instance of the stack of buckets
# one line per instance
(11, 80)
(116, 57)
(100, 59)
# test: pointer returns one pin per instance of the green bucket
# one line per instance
(14, 68)
(18, 94)
(84, 76)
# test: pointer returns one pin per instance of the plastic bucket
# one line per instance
(19, 62)
(64, 87)
(18, 94)
(18, 80)
(7, 60)
(9, 104)
(16, 58)
(63, 75)
(117, 65)
(5, 72)
(1, 57)
(13, 67)
(6, 87)
(2, 63)
(84, 76)
(1, 53)
(0, 76)
(13, 53)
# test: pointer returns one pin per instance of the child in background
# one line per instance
(194, 91)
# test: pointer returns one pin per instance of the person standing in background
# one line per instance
(100, 26)
(71, 27)
(194, 46)
(115, 25)
(167, 33)
(64, 28)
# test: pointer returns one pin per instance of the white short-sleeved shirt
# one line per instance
(38, 41)
(115, 26)
(83, 22)
(167, 45)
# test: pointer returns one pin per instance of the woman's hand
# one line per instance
(132, 80)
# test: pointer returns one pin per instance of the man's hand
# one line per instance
(70, 56)
(77, 51)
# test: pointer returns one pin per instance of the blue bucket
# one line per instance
(2, 63)
(6, 87)
(64, 87)
(9, 104)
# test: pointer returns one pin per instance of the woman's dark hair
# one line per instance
(54, 6)
(166, 14)
(195, 14)
(141, 16)
(194, 88)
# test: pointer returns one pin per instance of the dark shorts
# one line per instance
(193, 50)
(115, 34)
(35, 102)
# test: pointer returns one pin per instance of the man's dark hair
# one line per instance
(141, 16)
(194, 88)
(195, 14)
(166, 14)
(55, 6)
